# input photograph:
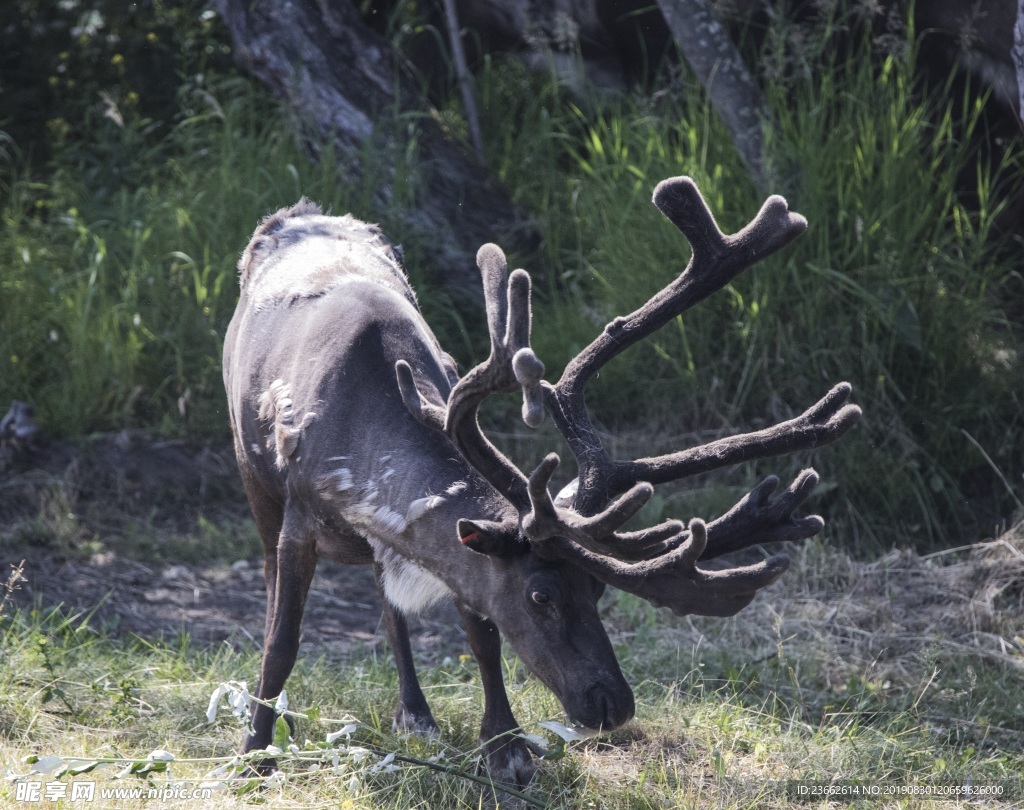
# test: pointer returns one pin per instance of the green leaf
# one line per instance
(248, 787)
(282, 734)
(78, 767)
(555, 751)
(143, 768)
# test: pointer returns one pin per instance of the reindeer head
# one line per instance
(556, 555)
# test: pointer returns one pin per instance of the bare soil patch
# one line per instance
(70, 513)
(885, 620)
(213, 602)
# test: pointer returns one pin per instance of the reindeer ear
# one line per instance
(488, 537)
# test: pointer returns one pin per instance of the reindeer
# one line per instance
(357, 440)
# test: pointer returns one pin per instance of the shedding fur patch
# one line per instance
(407, 586)
(339, 480)
(421, 506)
(377, 518)
(299, 252)
(361, 503)
(366, 505)
(276, 405)
(263, 241)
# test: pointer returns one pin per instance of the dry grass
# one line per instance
(885, 614)
(903, 670)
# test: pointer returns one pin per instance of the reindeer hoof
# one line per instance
(257, 769)
(510, 763)
(422, 724)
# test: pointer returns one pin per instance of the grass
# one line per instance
(118, 271)
(850, 674)
(117, 279)
(897, 286)
(122, 263)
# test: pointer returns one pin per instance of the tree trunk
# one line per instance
(604, 37)
(717, 63)
(340, 78)
(1017, 52)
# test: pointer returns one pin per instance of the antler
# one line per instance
(510, 365)
(663, 569)
(673, 579)
(659, 563)
(715, 261)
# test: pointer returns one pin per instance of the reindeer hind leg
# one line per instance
(268, 515)
(292, 564)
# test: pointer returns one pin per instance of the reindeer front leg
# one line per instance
(507, 755)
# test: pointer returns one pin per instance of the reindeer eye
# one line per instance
(545, 590)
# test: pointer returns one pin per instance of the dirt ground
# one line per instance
(56, 500)
(167, 486)
(215, 602)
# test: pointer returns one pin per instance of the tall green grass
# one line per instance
(119, 267)
(895, 287)
(118, 272)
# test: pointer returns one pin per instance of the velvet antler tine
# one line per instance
(691, 551)
(830, 404)
(526, 366)
(529, 371)
(595, 533)
(683, 205)
(619, 511)
(823, 423)
(494, 271)
(675, 581)
(517, 327)
(774, 227)
(759, 518)
(646, 544)
(427, 413)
